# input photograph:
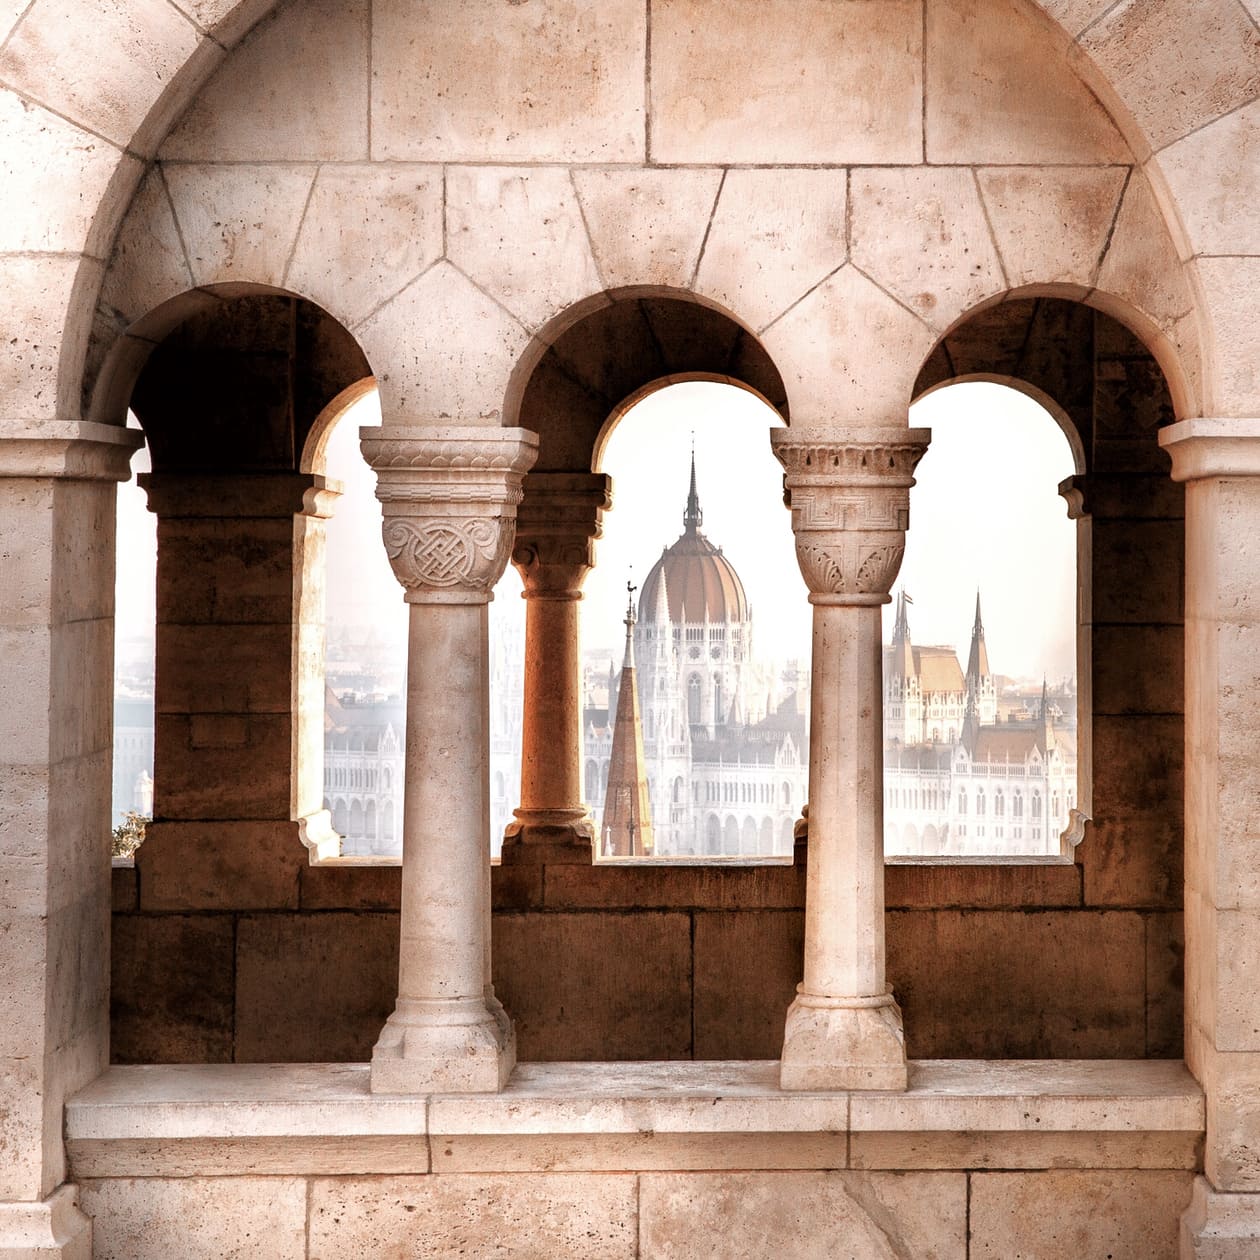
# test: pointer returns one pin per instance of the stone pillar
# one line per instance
(850, 500)
(449, 496)
(56, 710)
(556, 528)
(239, 704)
(1219, 461)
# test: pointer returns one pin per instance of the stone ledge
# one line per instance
(190, 1120)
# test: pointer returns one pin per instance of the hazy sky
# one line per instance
(985, 511)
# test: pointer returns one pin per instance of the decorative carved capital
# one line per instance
(449, 496)
(850, 501)
(556, 528)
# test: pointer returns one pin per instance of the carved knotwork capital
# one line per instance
(449, 497)
(850, 501)
(557, 524)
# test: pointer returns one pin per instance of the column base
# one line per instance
(444, 1048)
(551, 837)
(1220, 1226)
(41, 1231)
(828, 1044)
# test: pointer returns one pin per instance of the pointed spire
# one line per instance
(903, 649)
(978, 659)
(629, 622)
(693, 518)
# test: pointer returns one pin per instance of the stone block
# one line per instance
(822, 349)
(313, 988)
(488, 212)
(772, 82)
(442, 348)
(1138, 766)
(921, 234)
(171, 988)
(238, 222)
(1228, 286)
(1232, 1084)
(213, 772)
(233, 865)
(1051, 224)
(1220, 1226)
(106, 73)
(1049, 1215)
(647, 226)
(596, 986)
(801, 1215)
(295, 89)
(1001, 984)
(547, 82)
(1234, 558)
(557, 1214)
(250, 674)
(196, 1218)
(773, 236)
(333, 886)
(1236, 940)
(747, 967)
(82, 585)
(1074, 15)
(1165, 986)
(1133, 859)
(368, 232)
(1155, 549)
(998, 90)
(996, 887)
(1138, 669)
(1176, 65)
(674, 886)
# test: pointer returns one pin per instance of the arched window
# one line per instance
(980, 802)
(693, 699)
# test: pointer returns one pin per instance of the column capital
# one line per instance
(73, 449)
(449, 495)
(557, 524)
(849, 492)
(239, 494)
(1208, 446)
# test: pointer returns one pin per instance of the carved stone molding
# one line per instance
(71, 449)
(449, 497)
(557, 525)
(850, 501)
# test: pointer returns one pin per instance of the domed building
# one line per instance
(724, 741)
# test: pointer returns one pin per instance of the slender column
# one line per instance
(850, 501)
(450, 497)
(1219, 460)
(56, 689)
(557, 525)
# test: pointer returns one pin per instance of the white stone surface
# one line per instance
(296, 89)
(1231, 364)
(238, 222)
(368, 232)
(550, 81)
(44, 1229)
(647, 226)
(774, 235)
(492, 211)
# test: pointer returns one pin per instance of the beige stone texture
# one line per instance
(1074, 15)
(981, 887)
(822, 348)
(921, 235)
(1219, 215)
(998, 90)
(1232, 1085)
(42, 1229)
(1231, 368)
(1219, 1226)
(104, 74)
(586, 1217)
(238, 222)
(295, 974)
(780, 89)
(556, 81)
(442, 348)
(295, 89)
(488, 212)
(616, 987)
(227, 1218)
(773, 236)
(798, 1216)
(1051, 224)
(647, 226)
(368, 232)
(1177, 65)
(1048, 1215)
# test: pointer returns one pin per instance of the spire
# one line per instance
(627, 829)
(693, 518)
(978, 660)
(1046, 731)
(903, 649)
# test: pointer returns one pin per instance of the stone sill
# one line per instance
(220, 1120)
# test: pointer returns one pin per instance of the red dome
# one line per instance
(700, 584)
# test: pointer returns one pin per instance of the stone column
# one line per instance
(450, 496)
(56, 708)
(1219, 461)
(850, 500)
(556, 528)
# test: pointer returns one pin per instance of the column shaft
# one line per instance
(551, 743)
